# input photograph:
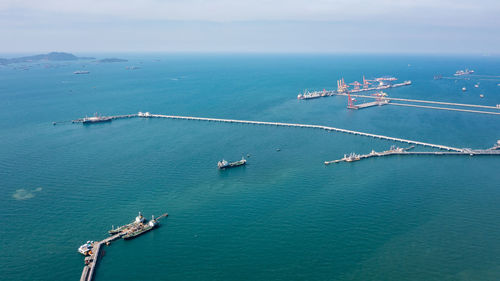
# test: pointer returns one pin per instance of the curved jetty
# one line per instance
(297, 125)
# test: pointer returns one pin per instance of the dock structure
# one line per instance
(326, 128)
(390, 99)
(92, 260)
(446, 108)
(297, 125)
(368, 104)
(400, 151)
(357, 92)
(424, 101)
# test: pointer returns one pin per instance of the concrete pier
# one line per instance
(297, 125)
(390, 99)
(326, 128)
(469, 152)
(92, 260)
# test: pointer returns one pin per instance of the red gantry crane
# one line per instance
(356, 85)
(366, 83)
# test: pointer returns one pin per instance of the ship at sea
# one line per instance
(95, 119)
(81, 72)
(224, 164)
(463, 72)
(143, 227)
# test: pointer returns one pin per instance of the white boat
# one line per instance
(86, 248)
(463, 72)
(464, 89)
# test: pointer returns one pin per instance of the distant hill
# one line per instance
(54, 56)
(109, 60)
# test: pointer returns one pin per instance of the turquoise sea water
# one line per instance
(285, 216)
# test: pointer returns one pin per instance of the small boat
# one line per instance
(223, 164)
(464, 89)
(81, 72)
(481, 96)
(476, 86)
(86, 249)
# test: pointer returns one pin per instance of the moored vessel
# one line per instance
(223, 164)
(352, 157)
(142, 228)
(463, 72)
(138, 220)
(96, 119)
(86, 249)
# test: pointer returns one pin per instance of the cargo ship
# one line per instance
(352, 157)
(224, 164)
(463, 72)
(143, 227)
(81, 72)
(96, 119)
(138, 220)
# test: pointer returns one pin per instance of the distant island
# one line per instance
(56, 56)
(110, 60)
(53, 56)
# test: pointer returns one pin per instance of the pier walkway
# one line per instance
(318, 94)
(368, 104)
(92, 260)
(446, 108)
(297, 125)
(470, 152)
(420, 101)
(327, 128)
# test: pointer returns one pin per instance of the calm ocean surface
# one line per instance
(285, 216)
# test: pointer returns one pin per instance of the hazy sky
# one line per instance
(422, 26)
